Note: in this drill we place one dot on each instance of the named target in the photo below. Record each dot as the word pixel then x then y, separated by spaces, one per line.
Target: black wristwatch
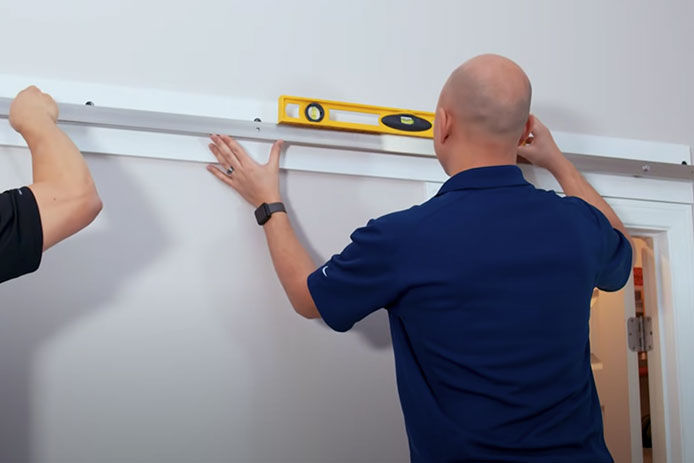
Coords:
pixel 265 210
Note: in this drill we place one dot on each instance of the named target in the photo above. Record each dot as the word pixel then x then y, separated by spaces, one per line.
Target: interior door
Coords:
pixel 617 378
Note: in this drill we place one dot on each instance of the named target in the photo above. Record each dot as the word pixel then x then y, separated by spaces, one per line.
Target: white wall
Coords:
pixel 161 334
pixel 615 67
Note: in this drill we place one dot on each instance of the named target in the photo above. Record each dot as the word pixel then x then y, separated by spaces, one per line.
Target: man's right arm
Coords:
pixel 63 187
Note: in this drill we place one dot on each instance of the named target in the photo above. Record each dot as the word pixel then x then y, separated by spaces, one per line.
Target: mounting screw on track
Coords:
pixel 257 119
pixel 684 163
pixel 645 167
pixel 89 103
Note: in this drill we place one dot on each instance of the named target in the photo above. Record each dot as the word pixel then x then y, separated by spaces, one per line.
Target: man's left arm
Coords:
pixel 292 264
pixel 258 184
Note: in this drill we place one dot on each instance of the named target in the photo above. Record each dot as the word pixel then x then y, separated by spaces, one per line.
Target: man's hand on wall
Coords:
pixel 256 183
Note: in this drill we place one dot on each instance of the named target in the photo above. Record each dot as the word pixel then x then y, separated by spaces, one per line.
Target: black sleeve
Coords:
pixel 21 235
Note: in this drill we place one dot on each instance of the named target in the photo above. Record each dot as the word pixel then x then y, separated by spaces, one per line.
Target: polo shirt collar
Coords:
pixel 484 177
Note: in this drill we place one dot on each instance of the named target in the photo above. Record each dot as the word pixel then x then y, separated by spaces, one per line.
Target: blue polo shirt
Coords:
pixel 488 289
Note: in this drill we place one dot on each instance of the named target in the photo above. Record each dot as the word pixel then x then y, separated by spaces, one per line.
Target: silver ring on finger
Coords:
pixel 229 171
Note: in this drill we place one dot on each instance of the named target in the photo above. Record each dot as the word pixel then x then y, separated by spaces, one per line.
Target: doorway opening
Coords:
pixel 626 363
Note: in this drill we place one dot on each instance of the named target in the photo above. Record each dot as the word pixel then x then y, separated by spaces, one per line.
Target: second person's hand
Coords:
pixel 32 111
pixel 256 183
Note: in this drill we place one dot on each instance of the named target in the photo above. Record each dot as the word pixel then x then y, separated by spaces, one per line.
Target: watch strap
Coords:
pixel 275 207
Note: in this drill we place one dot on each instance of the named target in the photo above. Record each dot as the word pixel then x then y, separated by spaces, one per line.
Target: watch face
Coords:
pixel 262 214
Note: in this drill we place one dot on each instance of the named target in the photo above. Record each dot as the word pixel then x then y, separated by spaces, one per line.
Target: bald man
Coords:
pixel 487 285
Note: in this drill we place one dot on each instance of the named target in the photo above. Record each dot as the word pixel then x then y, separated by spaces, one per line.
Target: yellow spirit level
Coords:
pixel 355 117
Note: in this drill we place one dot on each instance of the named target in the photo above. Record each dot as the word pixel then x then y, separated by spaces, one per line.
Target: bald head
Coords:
pixel 489 95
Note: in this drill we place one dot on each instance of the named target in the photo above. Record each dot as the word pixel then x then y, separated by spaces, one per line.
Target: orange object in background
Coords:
pixel 638 276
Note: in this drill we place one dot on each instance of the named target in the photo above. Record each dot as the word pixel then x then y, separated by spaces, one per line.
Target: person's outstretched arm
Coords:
pixel 259 184
pixel 62 185
pixel 543 151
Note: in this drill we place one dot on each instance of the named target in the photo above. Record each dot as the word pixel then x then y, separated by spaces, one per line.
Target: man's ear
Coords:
pixel 529 124
pixel 443 125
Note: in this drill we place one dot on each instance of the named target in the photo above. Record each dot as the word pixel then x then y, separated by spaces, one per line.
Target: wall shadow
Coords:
pixel 374 329
pixel 76 278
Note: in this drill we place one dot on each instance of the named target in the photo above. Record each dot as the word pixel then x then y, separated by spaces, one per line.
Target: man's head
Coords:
pixel 482 115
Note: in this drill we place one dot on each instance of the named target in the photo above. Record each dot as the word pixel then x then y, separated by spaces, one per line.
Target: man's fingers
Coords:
pixel 220 158
pixel 275 154
pixel 537 126
pixel 526 151
pixel 231 158
pixel 220 175
pixel 224 160
pixel 522 160
pixel 237 149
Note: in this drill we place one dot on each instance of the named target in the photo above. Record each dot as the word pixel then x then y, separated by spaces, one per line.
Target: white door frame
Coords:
pixel 670 226
pixel 655 357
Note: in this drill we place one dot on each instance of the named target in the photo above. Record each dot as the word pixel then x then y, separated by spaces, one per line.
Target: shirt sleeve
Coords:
pixel 21 235
pixel 615 253
pixel 361 279
pixel 616 257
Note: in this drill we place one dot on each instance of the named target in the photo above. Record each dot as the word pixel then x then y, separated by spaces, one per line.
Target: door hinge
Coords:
pixel 640 334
